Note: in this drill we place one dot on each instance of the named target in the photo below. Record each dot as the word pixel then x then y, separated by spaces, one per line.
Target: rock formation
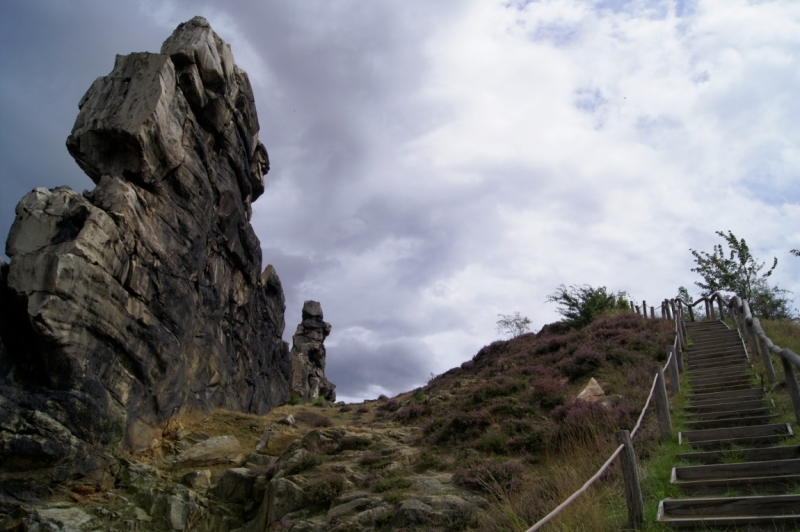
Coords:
pixel 308 356
pixel 142 299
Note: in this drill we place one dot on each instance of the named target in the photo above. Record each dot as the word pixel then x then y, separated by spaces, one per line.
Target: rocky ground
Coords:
pixel 232 471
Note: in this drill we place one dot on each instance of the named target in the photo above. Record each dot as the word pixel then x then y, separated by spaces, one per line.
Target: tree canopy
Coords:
pixel 513 325
pixel 736 270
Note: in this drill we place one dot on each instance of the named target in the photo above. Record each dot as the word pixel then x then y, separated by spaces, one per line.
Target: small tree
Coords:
pixel 737 271
pixel 581 304
pixel 683 294
pixel 513 325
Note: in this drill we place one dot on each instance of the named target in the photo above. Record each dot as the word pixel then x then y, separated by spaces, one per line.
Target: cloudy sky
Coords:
pixel 435 164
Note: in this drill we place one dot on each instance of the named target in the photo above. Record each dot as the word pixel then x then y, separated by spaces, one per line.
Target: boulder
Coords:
pixel 63 519
pixel 275 442
pixel 308 356
pixel 198 480
pixel 592 393
pixel 143 300
pixel 236 485
pixel 217 450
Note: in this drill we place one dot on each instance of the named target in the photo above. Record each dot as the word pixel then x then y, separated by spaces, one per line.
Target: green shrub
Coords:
pixel 323 490
pixel 427 460
pixel 309 461
pixel 419 396
pixel 386 484
pixel 313 419
pixel 582 304
pixel 349 443
pixel 375 460
pixel 295 400
pixel 493 441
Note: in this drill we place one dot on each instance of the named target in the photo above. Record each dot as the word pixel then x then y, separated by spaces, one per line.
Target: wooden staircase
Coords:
pixel 744 480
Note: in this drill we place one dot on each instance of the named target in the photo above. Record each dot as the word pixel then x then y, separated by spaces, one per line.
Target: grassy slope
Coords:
pixel 507 426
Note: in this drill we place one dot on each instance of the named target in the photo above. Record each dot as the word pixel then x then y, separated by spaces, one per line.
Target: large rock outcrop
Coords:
pixel 308 356
pixel 142 300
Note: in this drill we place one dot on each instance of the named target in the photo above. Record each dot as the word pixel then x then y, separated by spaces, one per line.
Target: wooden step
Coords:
pixel 698 335
pixel 740 486
pixel 732 422
pixel 716 323
pixel 778 507
pixel 727 360
pixel 720 397
pixel 737 369
pixel 700 387
pixel 721 408
pixel 732 411
pixel 715 343
pixel 721 388
pixel 770 468
pixel 758 435
pixel 709 356
pixel 724 379
pixel 749 455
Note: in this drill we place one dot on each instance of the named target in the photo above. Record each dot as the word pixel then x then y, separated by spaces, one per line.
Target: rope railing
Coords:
pixel 578 493
pixel 633 494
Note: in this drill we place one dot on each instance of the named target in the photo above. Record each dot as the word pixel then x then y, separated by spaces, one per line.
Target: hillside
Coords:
pixel 491 445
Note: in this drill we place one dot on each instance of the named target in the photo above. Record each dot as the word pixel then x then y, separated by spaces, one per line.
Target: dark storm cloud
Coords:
pixel 50 53
pixel 395 366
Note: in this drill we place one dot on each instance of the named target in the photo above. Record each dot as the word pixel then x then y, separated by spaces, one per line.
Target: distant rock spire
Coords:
pixel 308 356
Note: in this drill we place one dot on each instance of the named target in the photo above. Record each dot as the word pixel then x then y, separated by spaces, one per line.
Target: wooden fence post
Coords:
pixel 691 313
pixel 631 302
pixel 662 405
pixel 633 490
pixel 705 302
pixel 791 383
pixel 644 309
pixel 762 348
pixel 679 353
pixel 719 304
pixel 652 313
pixel 638 310
pixel 674 377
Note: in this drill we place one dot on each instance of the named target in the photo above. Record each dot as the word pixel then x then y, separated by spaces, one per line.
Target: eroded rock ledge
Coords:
pixel 143 299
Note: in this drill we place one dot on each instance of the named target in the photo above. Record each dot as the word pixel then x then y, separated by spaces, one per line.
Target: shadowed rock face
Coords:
pixel 144 298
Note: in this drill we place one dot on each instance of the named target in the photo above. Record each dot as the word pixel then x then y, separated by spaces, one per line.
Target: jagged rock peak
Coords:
pixel 142 300
pixel 308 356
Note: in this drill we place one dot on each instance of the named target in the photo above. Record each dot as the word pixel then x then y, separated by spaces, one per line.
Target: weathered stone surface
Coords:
pixel 593 392
pixel 236 485
pixel 198 480
pixel 217 450
pixel 69 519
pixel 142 300
pixel 308 356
